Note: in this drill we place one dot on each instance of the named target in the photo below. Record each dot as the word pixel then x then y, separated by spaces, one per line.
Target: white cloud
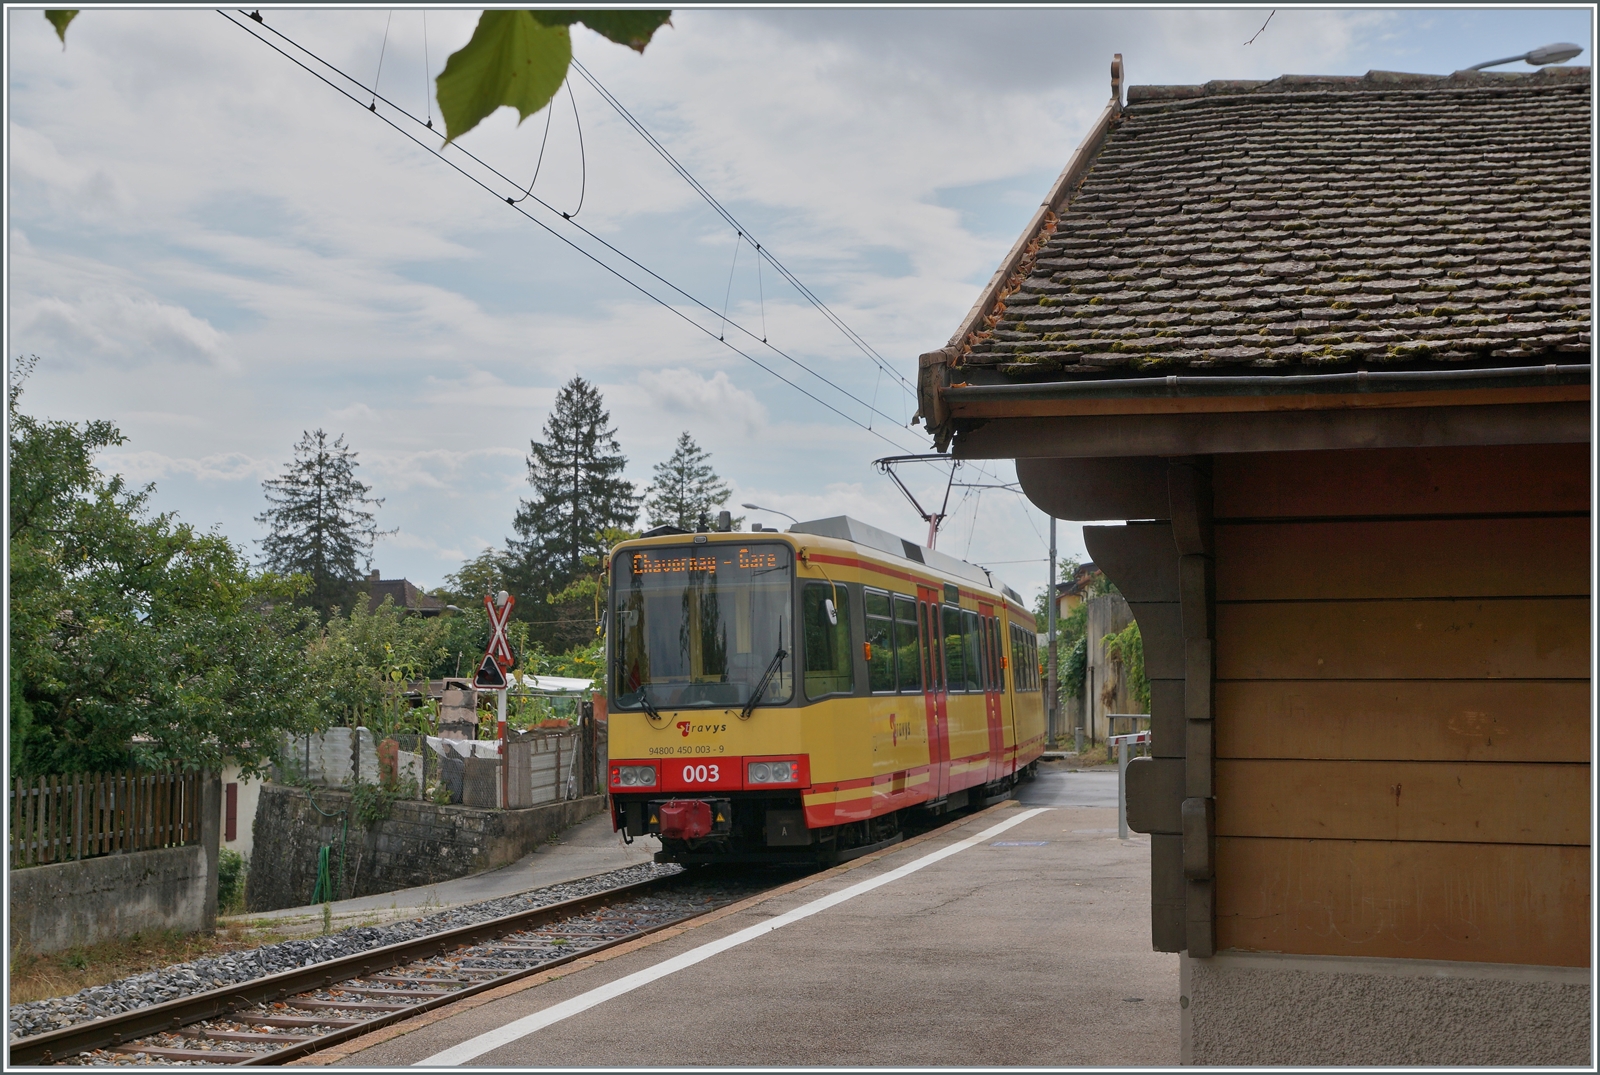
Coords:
pixel 217 251
pixel 714 399
pixel 118 327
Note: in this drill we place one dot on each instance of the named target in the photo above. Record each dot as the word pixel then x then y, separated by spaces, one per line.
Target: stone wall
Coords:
pixel 418 844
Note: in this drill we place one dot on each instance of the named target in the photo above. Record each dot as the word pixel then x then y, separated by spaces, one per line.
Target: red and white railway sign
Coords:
pixel 499 645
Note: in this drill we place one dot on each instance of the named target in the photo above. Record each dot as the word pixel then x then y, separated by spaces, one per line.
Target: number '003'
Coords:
pixel 700 774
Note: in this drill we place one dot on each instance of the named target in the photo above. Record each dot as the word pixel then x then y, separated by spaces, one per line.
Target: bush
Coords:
pixel 231 870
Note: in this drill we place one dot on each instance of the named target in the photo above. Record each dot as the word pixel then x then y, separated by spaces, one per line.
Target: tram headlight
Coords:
pixel 633 776
pixel 774 772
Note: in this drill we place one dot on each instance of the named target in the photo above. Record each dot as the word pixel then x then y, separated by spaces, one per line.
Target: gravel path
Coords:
pixel 215 972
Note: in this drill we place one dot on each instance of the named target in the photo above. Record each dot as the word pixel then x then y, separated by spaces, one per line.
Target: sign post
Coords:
pixel 497 661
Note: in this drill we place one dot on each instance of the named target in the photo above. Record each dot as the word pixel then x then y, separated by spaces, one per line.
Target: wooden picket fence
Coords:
pixel 82 815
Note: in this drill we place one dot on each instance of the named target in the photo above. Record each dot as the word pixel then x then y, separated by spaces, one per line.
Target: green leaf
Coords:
pixel 511 60
pixel 631 28
pixel 59 20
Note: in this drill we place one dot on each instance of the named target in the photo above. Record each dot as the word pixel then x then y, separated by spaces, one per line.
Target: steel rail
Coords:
pixel 113 1030
pixel 323 1041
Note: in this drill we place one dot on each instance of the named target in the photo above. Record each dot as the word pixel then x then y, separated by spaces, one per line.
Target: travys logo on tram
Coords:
pixel 797 696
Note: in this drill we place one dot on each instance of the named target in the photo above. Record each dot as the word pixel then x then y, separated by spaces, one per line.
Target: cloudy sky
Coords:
pixel 217 250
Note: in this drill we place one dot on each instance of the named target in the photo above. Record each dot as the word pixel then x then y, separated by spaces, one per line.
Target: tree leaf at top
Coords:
pixel 631 28
pixel 59 20
pixel 511 60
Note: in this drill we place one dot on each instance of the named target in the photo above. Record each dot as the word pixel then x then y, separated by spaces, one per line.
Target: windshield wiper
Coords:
pixel 644 701
pixel 761 688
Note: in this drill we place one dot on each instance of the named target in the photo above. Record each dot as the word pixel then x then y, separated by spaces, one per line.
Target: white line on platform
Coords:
pixel 529 1024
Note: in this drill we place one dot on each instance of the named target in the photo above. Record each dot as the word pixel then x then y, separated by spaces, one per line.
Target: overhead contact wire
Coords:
pixel 551 231
pixel 717 206
pixel 597 238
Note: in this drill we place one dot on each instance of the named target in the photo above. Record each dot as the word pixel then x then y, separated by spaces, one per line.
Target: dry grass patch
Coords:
pixel 58 974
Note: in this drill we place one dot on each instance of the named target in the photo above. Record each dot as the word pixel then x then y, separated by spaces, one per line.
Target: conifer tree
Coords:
pixel 579 491
pixel 685 487
pixel 318 520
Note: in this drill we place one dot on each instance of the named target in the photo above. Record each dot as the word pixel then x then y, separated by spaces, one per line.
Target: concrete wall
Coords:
pixel 418 844
pixel 67 904
pixel 1259 1008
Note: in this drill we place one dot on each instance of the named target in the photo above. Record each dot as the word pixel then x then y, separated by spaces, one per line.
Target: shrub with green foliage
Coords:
pixel 231 870
pixel 135 639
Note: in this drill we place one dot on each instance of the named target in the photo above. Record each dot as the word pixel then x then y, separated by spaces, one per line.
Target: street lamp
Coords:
pixel 1558 53
pixel 775 511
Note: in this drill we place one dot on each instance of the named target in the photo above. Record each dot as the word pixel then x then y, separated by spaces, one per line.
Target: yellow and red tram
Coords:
pixel 784 696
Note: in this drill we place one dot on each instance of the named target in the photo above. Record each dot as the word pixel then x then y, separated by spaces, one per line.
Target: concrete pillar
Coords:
pixel 211 838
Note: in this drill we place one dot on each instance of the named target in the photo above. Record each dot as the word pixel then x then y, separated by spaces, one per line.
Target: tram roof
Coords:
pixel 844 528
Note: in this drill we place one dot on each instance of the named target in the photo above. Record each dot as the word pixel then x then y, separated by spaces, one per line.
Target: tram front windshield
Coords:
pixel 702 626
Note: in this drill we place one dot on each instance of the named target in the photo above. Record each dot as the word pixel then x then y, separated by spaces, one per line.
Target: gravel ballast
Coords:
pixel 215 972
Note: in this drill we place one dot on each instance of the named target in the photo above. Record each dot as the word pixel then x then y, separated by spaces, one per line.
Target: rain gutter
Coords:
pixel 1189 385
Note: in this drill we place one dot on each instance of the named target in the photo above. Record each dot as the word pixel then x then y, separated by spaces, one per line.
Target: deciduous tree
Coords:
pixel 135 640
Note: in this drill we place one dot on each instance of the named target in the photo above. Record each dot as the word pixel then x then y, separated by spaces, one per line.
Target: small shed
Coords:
pixel 1324 343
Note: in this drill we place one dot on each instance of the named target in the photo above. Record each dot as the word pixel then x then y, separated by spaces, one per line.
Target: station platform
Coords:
pixel 1018 936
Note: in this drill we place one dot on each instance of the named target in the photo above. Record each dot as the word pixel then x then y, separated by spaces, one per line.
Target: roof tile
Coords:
pixel 1315 221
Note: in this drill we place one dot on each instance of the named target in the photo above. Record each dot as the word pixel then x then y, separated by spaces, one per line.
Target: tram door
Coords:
pixel 993 686
pixel 933 689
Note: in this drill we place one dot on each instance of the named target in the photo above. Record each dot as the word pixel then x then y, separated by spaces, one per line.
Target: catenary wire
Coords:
pixel 597 238
pixel 381 51
pixel 609 268
pixel 711 200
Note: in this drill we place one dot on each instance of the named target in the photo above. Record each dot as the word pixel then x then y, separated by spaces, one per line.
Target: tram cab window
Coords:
pixel 830 659
pixel 908 662
pixel 954 650
pixel 969 647
pixel 880 637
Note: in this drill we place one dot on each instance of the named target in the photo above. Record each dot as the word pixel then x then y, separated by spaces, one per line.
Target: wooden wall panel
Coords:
pixel 1523 557
pixel 1505 639
pixel 1416 720
pixel 1492 903
pixel 1457 802
pixel 1491 480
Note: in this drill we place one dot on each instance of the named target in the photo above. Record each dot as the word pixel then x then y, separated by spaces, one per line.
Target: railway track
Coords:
pixel 276 1018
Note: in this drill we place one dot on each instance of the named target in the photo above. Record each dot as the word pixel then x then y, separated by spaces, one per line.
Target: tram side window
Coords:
pixel 880 637
pixel 969 647
pixel 996 671
pixel 1024 660
pixel 830 660
pixel 908 662
pixel 954 650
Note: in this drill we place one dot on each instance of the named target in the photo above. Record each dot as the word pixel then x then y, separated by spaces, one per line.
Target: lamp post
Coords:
pixel 774 511
pixel 1050 669
pixel 1539 57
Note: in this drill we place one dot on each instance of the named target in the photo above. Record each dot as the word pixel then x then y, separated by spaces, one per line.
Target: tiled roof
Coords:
pixel 1309 224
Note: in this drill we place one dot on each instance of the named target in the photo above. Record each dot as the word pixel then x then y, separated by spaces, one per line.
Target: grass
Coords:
pixel 33 976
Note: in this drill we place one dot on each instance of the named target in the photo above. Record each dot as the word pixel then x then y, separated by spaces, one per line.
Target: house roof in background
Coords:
pixel 1311 224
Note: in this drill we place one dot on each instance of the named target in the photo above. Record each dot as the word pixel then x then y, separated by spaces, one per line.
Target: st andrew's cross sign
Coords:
pixel 498 658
